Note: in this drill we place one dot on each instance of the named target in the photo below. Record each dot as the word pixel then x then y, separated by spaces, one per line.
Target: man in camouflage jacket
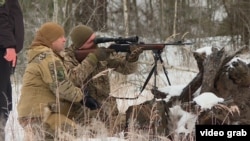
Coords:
pixel 47 94
pixel 82 73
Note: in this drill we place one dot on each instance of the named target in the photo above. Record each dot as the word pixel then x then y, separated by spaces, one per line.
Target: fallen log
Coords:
pixel 210 68
pixel 229 82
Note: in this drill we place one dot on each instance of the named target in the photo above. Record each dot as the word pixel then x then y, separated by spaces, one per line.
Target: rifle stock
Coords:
pixel 81 54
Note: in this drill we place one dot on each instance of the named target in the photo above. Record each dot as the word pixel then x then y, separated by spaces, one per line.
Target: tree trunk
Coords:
pixel 210 68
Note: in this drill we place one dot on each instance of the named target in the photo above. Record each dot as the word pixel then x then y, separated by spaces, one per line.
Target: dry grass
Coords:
pixel 98 130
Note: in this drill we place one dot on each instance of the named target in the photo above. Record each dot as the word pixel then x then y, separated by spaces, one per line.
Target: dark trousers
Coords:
pixel 5 87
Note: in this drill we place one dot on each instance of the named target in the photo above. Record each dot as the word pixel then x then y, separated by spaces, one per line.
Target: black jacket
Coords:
pixel 11 25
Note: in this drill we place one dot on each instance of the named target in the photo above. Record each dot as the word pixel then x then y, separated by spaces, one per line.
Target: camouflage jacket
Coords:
pixel 82 73
pixel 46 85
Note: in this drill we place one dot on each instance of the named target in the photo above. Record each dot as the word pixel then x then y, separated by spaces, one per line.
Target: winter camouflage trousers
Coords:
pixel 56 126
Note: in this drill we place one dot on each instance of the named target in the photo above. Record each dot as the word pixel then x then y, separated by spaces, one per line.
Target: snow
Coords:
pixel 174 90
pixel 186 122
pixel 207 100
pixel 206 50
pixel 235 59
pixel 13 129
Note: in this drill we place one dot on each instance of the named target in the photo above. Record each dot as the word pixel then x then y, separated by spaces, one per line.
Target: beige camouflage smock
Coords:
pixel 46 85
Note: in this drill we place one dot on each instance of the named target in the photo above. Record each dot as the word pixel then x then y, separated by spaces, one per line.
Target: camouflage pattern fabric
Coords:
pixel 46 88
pixel 81 73
pixel 53 128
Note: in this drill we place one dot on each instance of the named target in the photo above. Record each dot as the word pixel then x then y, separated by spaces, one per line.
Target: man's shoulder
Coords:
pixel 43 54
pixel 69 53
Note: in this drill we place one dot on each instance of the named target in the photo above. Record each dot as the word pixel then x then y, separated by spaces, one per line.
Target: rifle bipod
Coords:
pixel 157 57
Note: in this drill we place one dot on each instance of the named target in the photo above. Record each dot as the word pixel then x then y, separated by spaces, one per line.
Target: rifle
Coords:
pixel 123 45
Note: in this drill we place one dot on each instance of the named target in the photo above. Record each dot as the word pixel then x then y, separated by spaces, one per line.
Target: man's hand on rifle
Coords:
pixel 134 54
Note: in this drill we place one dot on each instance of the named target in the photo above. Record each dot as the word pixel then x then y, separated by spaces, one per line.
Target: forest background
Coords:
pixel 217 23
pixel 154 21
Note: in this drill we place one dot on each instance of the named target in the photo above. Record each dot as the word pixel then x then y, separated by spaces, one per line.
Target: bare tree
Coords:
pixel 92 13
pixel 125 13
pixel 238 20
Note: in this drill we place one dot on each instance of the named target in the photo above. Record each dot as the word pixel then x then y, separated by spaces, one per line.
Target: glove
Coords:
pixel 102 53
pixel 134 54
pixel 90 102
